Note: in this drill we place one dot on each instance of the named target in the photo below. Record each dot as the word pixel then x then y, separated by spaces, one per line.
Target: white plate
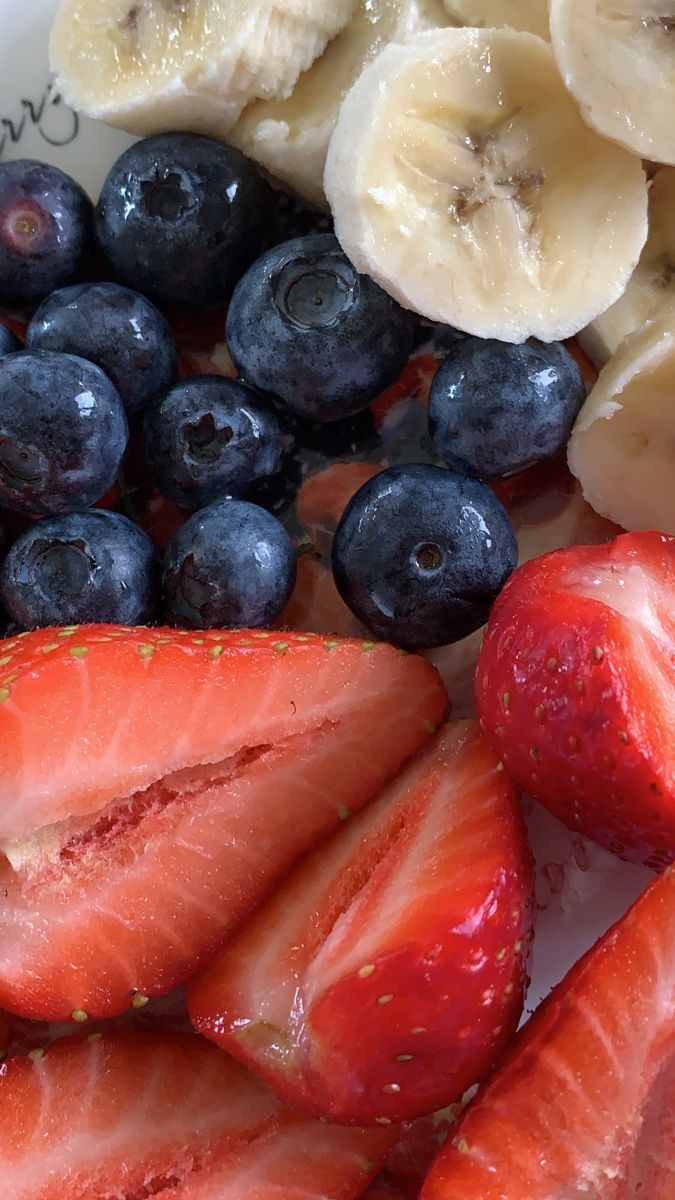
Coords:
pixel 34 123
pixel 580 890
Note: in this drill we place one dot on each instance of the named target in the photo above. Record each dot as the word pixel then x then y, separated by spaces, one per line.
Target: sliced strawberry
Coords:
pixel 548 511
pixel 142 500
pixel 161 1014
pixel 323 498
pixel 159 517
pixel 5 1032
pixel 412 386
pixel 387 973
pixel 589 370
pixel 584 1105
pixel 197 329
pixel 18 325
pixel 386 1189
pixel 576 690
pixel 316 605
pixel 133 1116
pixel 154 785
pixel 542 490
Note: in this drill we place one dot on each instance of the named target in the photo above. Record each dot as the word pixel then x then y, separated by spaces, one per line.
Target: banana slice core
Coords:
pixel 463 179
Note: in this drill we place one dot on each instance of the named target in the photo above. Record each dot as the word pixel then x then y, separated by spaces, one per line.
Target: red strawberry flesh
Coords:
pixel 385 976
pixel 576 690
pixel 584 1105
pixel 157 785
pixel 135 1116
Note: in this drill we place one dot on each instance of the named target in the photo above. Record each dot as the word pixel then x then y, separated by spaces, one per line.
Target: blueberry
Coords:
pixel 63 432
pixel 421 554
pixel 46 231
pixel 181 217
pixel 8 342
pixel 305 327
pixel 116 328
pixel 495 408
pixel 232 564
pixel 84 567
pixel 210 438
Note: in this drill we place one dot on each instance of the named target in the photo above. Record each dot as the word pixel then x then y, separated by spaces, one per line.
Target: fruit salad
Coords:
pixel 337 568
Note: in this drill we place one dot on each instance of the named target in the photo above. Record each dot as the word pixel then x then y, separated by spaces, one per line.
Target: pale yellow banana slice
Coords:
pixel 154 65
pixel 651 291
pixel 527 16
pixel 462 178
pixel 290 137
pixel 618 59
pixel 622 449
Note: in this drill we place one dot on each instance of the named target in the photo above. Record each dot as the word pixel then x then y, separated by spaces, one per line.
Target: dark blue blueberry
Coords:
pixel 232 564
pixel 305 327
pixel 496 409
pixel 421 554
pixel 181 217
pixel 209 438
pixel 45 231
pixel 81 568
pixel 8 342
pixel 116 328
pixel 63 432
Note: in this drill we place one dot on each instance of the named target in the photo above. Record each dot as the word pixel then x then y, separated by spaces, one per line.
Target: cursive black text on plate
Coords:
pixel 57 124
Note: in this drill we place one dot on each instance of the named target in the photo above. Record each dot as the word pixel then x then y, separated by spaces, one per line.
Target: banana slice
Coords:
pixel 617 57
pixel 462 178
pixel 527 16
pixel 622 448
pixel 651 291
pixel 149 66
pixel 290 137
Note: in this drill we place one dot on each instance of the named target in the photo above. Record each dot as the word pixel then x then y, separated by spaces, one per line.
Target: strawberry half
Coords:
pixel 155 785
pixel 133 1116
pixel 384 977
pixel 576 690
pixel 323 498
pixel 5 1033
pixel 584 1105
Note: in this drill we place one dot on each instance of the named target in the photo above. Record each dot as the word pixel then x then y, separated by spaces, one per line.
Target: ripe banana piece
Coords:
pixel 527 16
pixel 463 179
pixel 622 446
pixel 618 60
pixel 651 291
pixel 149 66
pixel 290 137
